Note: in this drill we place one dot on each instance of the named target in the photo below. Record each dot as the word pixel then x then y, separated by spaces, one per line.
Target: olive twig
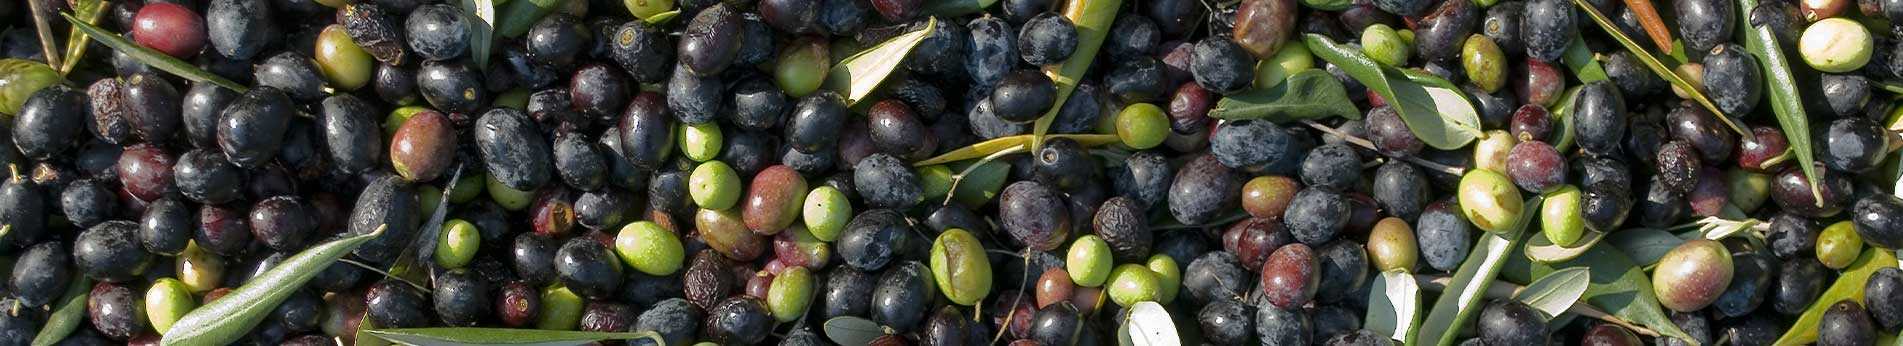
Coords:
pixel 45 31
pixel 1358 141
pixel 1019 300
pixel 1506 290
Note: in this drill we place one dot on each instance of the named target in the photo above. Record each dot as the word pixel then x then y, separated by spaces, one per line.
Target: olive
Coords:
pixel 458 244
pixel 1692 275
pixel 165 301
pixel 874 239
pixel 45 124
pixel 900 299
pixel 1539 83
pixel 1058 324
pixel 959 267
pixel 1845 323
pixel 436 32
pixel 561 309
pixel 1444 234
pixel 1048 38
pixel 395 304
pixel 1704 24
pixel 1750 282
pixel 1222 66
pixel 1800 282
pixel 1729 68
pixel 1507 322
pixel 791 294
pixel 1599 117
pixel 1276 325
pixel 725 232
pixel 170 28
pixel 1838 245
pixel 1291 276
pixel 1442 31
pixel 1132 283
pixel 711 40
pixel 1484 62
pixel 1853 145
pixel 1535 166
pixel 896 130
pixel 513 149
pixel 1546 38
pixel 461 298
pixel 40 274
pixel 199 270
pixel 1833 45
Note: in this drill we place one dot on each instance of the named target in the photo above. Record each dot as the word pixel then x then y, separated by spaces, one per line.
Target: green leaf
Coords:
pixel 1645 246
pixel 1657 67
pixel 425 244
pixel 1458 303
pixel 1581 60
pixel 68 316
pixel 1848 286
pixel 1433 109
pixel 1328 5
pixel 1018 142
pixel 1147 324
pixel 662 18
pixel 228 319
pixel 955 8
pixel 858 75
pixel 151 57
pixel 505 336
pixel 1092 19
pixel 1618 287
pixel 1309 94
pixel 979 185
pixel 90 11
pixel 516 19
pixel 1540 249
pixel 1563 111
pixel 482 20
pixel 1557 291
pixel 1394 306
pixel 1780 86
pixel 848 330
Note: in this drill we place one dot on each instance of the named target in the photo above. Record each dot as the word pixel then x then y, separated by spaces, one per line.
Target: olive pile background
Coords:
pixel 620 167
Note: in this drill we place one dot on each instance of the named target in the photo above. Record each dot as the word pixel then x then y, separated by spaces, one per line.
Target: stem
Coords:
pixel 385 273
pixel 974 166
pixel 1506 290
pixel 45 31
pixel 1019 300
pixel 1358 141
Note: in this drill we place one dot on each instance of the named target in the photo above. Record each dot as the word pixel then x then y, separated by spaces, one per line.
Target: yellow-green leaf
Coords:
pixel 1309 94
pixel 1618 286
pixel 68 315
pixel 858 75
pixel 1434 109
pixel 1556 292
pixel 151 57
pixel 228 319
pixel 1092 19
pixel 995 145
pixel 91 11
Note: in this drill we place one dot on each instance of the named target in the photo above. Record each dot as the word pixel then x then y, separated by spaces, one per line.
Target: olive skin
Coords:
pixel 1876 221
pixel 513 149
pixel 1800 281
pixel 1203 190
pixel 252 127
pixel 202 107
pixel 395 304
pixel 1845 323
pixel 1750 282
pixel 151 106
pixel 390 204
pixel 293 73
pixel 373 26
pixel 205 177
pixel 1282 326
pixel 739 320
pixel 451 87
pixel 1291 276
pixel 1058 324
pixel 711 40
pixel 236 30
pixel 107 252
pixel 1883 292
pixel 1729 68
pixel 166 226
pixel 874 239
pixel 1546 39
pixel 647 131
pixel 437 32
pixel 1704 24
pixel 1442 31
pixel 1034 215
pixel 884 181
pixel 815 122
pixel 46 124
pixel 1512 323
pixel 900 299
pixel 352 139
pixel 1599 115
pixel 41 274
pixel 643 51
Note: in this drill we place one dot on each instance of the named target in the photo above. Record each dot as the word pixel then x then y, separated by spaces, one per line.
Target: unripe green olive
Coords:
pixel 1748 189
pixel 647 8
pixel 1839 244
pixel 458 244
pixel 1383 45
pixel 1143 126
pixel 1089 261
pixel 1286 62
pixel 345 64
pixel 561 309
pixel 1133 283
pixel 960 267
pixel 167 301
pixel 1491 152
pixel 1489 200
pixel 714 185
pixel 200 270
pixel 509 198
pixel 790 294
pixel 1836 45
pixel 803 65
pixel 700 142
pixel 1486 65
pixel 1391 246
pixel 19 79
pixel 649 248
pixel 1560 217
pixel 1169 276
pixel 468 188
pixel 826 212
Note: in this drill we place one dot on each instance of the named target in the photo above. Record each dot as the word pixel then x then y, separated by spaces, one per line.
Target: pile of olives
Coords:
pixel 707 171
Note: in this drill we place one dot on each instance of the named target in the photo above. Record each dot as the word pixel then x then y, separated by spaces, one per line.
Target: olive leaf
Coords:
pixel 1781 87
pixel 519 15
pixel 1848 286
pixel 504 336
pixel 228 319
pixel 1716 228
pixel 954 8
pixel 1618 286
pixel 1541 249
pixel 426 238
pixel 858 75
pixel 45 31
pixel 978 183
pixel 151 57
pixel 662 18
pixel 90 11
pixel 1652 62
pixel 1394 306
pixel 1461 299
pixel 482 19
pixel 1309 94
pixel 1563 111
pixel 67 316
pixel 1556 292
pixel 1645 245
pixel 1433 108
pixel 1585 66
pixel 1092 19
pixel 849 330
pixel 1018 142
pixel 1147 324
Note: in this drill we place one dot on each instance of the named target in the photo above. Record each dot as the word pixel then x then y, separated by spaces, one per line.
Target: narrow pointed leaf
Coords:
pixel 1781 88
pixel 502 336
pixel 1463 298
pixel 1309 94
pixel 662 18
pixel 1433 108
pixel 68 316
pixel 1581 60
pixel 1652 62
pixel 90 11
pixel 995 145
pixel 1147 324
pixel 1540 249
pixel 954 8
pixel 1645 246
pixel 1092 19
pixel 482 21
pixel 1618 286
pixel 1848 286
pixel 1394 306
pixel 1556 292
pixel 151 57
pixel 425 244
pixel 858 75
pixel 228 319
pixel 848 330
pixel 516 18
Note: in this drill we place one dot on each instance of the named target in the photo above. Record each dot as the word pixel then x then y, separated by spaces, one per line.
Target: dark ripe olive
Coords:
pixel 643 51
pixel 606 209
pixel 555 40
pixel 1227 322
pixel 1256 146
pixel 738 320
pixel 1136 80
pixel 533 257
pixel 1537 82
pixel 580 162
pixel 884 181
pixel 1883 292
pixel 958 216
pixel 1064 164
pixel 282 222
pixel 1344 267
pixel 1216 276
pixel 1145 176
pixel 239 29
pixel 41 273
pixel 1222 66
pixel 902 296
pixel 874 239
pixel 1443 234
pixel 647 131
pixel 394 84
pixel 114 310
pixel 49 121
pixel 588 268
pixel 1339 325
pixel 1704 24
pixel 1755 330
pixel 396 304
pixel 517 304
pixel 1845 94
pixel 375 27
pixel 462 299
pixel 1702 130
pixel 674 319
pixel 1440 33
pixel 451 87
pixel 88 202
pixel 1332 167
pixel 600 90
pixel 757 105
pixel 1507 322
pixel 895 128
pixel 1853 145
pixel 1290 276
pixel 855 144
pixel 791 16
pixel 942 53
pixel 108 252
pixel 1875 219
pixel 224 230
pixel 1632 76
pixel 437 32
pixel 1846 324
pixel 1401 189
pixel 1282 326
pixel 293 73
pixel 1607 334
pixel 1599 117
pixel 1751 279
pixel 848 292
pixel 1730 69
pixel 1058 324
pixel 252 128
pixel 1546 38
pixel 352 140
pixel 205 177
pixel 1174 16
pixel 709 279
pixel 1046 39
pixel 1317 216
pixel 1792 236
pixel 600 316
pixel 1502 24
pixel 805 163
pixel 1792 192
pixel 151 106
pixel 1390 134
pixel 300 312
pixel 513 149
pixel 985 123
pixel 166 226
pixel 1123 225
pixel 1799 282
pixel 1034 215
pixel 1023 96
pixel 202 107
pixel 1203 190
pixel 815 122
pixel 389 203
pixel 993 51
pixel 169 28
pixel 711 40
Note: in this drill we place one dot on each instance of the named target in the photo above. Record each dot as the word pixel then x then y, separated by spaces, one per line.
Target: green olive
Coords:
pixel 430 197
pixel 1839 244
pixel 19 79
pixel 167 301
pixel 1489 200
pixel 1748 189
pixel 1169 276
pixel 510 198
pixel 960 267
pixel 802 66
pixel 1836 45
pixel 458 244
pixel 649 248
pixel 1692 275
pixel 1089 261
pixel 936 180
pixel 1391 246
pixel 1133 283
pixel 714 185
pixel 1491 152
pixel 200 270
pixel 1383 45
pixel 790 294
pixel 1560 217
pixel 1143 126
pixel 517 98
pixel 345 64
pixel 397 117
pixel 1486 65
pixel 700 142
pixel 826 212
pixel 468 188
pixel 1288 60
pixel 561 309
pixel 647 8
